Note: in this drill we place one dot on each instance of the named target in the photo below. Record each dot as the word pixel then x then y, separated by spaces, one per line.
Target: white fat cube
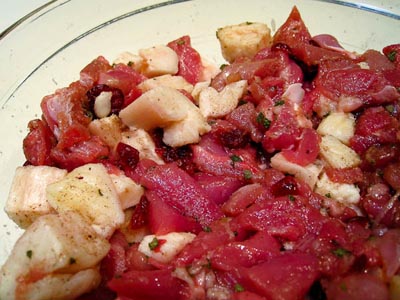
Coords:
pixel 344 193
pixel 337 154
pixel 176 82
pixel 127 58
pixel 187 131
pixel 107 129
pixel 309 174
pixel 169 245
pixel 157 107
pixel 215 104
pixel 55 243
pixel 244 39
pixel 159 60
pixel 129 192
pixel 89 191
pixel 27 197
pixel 338 124
pixel 141 141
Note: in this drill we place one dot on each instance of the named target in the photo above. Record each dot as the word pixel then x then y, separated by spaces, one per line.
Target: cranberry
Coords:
pixel 392 175
pixel 140 213
pixel 128 156
pixel 286 186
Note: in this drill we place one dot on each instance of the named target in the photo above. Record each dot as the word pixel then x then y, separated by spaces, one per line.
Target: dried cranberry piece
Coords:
pixel 379 156
pixel 128 156
pixel 139 215
pixel 182 156
pixel 285 186
pixel 117 98
pixel 392 175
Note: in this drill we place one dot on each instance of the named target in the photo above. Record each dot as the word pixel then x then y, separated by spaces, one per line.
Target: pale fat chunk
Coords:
pixel 338 124
pixel 244 39
pixel 176 82
pixel 308 174
pixel 337 154
pixel 63 286
pixel 158 107
pixel 27 197
pixel 89 191
pixel 175 242
pixel 141 141
pixel 108 129
pixel 54 243
pixel 159 60
pixel 187 131
pixel 344 193
pixel 133 60
pixel 167 108
pixel 215 104
pixel 129 192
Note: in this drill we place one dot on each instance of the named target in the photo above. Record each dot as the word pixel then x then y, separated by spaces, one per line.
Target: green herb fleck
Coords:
pixel 390 108
pixel 130 63
pixel 261 119
pixel 181 42
pixel 343 287
pixel 249 23
pixel 291 198
pixel 239 288
pixel 72 260
pixel 235 158
pixel 247 174
pixel 392 55
pixel 207 229
pixel 153 244
pixel 341 252
pixel 29 254
pixel 223 66
pixel 328 195
pixel 279 102
pixel 242 102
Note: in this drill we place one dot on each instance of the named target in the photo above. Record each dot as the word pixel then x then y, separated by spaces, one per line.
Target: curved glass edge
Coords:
pixel 365 7
pixel 356 5
pixel 29 15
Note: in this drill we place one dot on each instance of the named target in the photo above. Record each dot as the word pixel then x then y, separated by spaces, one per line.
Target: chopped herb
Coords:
pixel 221 67
pixel 235 158
pixel 153 244
pixel 72 260
pixel 207 229
pixel 392 55
pixel 390 108
pixel 279 102
pixel 181 42
pixel 341 252
pixel 261 119
pixel 328 195
pixel 247 174
pixel 242 102
pixel 29 254
pixel 292 198
pixel 208 264
pixel 239 288
pixel 249 23
pixel 343 287
pixel 130 63
pixel 100 192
